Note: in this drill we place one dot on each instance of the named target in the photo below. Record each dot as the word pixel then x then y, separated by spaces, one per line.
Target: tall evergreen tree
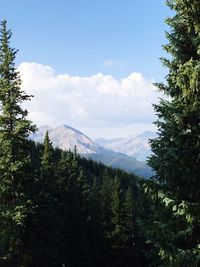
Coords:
pixel 106 199
pixel 128 219
pixel 96 233
pixel 73 211
pixel 47 158
pixel 117 213
pixel 43 225
pixel 174 228
pixel 14 152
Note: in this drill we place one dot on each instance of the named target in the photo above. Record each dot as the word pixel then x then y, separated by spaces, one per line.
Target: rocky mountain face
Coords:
pixel 66 138
pixel 134 146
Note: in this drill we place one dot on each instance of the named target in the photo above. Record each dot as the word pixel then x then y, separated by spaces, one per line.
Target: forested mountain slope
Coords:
pixel 67 138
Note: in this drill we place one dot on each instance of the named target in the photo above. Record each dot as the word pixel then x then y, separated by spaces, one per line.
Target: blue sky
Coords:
pixel 84 37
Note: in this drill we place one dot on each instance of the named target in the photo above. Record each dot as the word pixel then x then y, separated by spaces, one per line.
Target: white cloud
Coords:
pixel 40 117
pixel 87 102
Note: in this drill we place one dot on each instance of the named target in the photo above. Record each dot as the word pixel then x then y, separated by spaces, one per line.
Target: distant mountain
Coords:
pixel 122 161
pixel 66 138
pixel 134 146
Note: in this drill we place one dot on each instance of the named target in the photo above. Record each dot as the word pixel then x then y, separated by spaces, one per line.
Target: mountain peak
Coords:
pixel 134 146
pixel 66 138
pixel 72 130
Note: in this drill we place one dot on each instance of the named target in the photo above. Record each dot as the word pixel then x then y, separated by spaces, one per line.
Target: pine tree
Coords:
pixel 128 219
pixel 96 233
pixel 174 228
pixel 112 219
pixel 106 198
pixel 43 228
pixel 14 152
pixel 47 159
pixel 116 211
pixel 73 211
pixel 78 214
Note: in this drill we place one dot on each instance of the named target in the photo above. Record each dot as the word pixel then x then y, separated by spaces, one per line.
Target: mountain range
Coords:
pixel 134 146
pixel 66 137
pixel 117 153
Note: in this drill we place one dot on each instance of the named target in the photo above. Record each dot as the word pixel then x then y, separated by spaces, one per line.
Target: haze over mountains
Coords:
pixel 125 153
pixel 134 146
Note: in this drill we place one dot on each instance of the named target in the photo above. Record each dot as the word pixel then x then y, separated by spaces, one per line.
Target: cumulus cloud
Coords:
pixel 94 101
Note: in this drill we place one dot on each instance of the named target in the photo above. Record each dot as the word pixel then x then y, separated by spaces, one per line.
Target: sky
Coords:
pixel 90 64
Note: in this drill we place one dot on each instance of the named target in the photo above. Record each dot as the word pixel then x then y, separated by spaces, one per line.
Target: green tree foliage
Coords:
pixel 174 227
pixel 75 209
pixel 14 154
pixel 98 243
pixel 47 157
pixel 128 218
pixel 43 221
pixel 119 235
